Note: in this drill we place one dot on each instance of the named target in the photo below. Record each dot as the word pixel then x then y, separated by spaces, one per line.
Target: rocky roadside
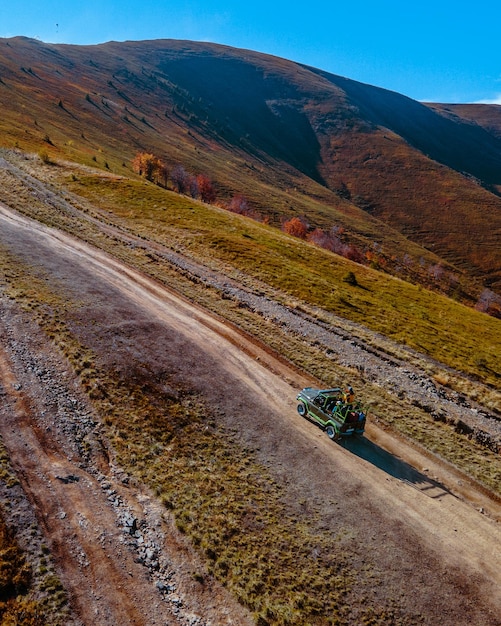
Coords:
pixel 32 374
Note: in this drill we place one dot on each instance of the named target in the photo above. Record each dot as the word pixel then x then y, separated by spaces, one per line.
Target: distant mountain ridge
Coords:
pixel 453 141
pixel 295 140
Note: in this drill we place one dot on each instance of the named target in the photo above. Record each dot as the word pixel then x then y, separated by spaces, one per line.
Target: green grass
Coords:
pixel 159 438
pixel 455 335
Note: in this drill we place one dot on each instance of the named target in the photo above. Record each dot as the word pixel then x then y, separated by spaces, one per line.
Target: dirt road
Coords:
pixel 412 516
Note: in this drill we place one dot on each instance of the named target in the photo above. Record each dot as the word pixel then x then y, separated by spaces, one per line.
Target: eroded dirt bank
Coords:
pixel 403 514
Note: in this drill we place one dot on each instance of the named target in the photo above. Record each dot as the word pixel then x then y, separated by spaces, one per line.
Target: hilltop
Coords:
pixel 412 188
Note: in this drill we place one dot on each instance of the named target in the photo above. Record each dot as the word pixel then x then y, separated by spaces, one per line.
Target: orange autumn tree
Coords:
pixel 295 227
pixel 149 166
pixel 206 189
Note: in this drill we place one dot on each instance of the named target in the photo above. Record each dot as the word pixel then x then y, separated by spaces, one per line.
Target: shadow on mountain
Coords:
pixel 259 113
pixel 461 145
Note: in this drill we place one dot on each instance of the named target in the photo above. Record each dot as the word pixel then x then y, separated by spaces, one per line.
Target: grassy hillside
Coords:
pixel 291 139
pixel 438 326
pixel 372 167
pixel 409 321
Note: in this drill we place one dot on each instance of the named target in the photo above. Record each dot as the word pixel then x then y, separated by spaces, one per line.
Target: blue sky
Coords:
pixel 440 51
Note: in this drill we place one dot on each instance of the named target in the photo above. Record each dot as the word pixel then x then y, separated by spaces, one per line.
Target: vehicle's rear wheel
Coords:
pixel 301 409
pixel 331 432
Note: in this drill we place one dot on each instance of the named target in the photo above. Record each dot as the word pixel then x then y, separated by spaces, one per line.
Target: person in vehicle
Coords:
pixel 349 395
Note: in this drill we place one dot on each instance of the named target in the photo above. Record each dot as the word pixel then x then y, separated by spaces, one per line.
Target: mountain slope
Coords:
pixel 487 116
pixel 454 142
pixel 292 139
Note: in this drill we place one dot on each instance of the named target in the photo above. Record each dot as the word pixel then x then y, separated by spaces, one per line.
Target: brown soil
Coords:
pixel 431 536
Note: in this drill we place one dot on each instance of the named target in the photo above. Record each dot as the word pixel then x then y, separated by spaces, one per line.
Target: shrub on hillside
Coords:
pixel 295 227
pixel 150 166
pixel 180 179
pixel 206 189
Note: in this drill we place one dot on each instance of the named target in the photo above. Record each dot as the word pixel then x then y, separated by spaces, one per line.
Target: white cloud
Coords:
pixel 496 100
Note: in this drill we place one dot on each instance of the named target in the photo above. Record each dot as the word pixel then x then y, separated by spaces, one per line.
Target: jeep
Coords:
pixel 330 409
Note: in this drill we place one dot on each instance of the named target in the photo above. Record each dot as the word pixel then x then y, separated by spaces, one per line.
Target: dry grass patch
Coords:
pixel 221 497
pixel 31 593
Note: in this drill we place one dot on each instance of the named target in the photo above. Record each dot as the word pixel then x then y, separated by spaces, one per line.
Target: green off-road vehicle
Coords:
pixel 332 410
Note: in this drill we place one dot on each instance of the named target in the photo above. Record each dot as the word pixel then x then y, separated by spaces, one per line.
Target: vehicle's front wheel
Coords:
pixel 331 432
pixel 301 409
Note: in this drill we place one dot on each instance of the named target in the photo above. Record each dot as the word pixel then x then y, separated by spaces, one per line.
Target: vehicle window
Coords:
pixel 330 404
